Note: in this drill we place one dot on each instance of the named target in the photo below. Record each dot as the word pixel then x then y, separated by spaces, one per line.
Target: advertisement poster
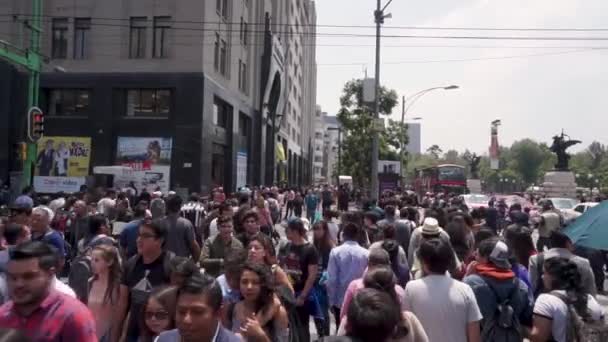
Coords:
pixel 62 164
pixel 241 169
pixel 389 166
pixel 150 159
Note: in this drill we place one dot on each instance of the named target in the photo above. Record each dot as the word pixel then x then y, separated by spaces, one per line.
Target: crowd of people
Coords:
pixel 117 266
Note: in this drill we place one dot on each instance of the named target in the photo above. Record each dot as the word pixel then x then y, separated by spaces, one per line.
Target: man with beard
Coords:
pixel 36 309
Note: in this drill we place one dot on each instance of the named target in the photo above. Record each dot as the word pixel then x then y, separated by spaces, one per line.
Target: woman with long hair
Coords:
pixel 257 317
pixel 261 251
pixel 409 328
pixel 158 314
pixel 324 244
pixel 104 288
pixel 562 279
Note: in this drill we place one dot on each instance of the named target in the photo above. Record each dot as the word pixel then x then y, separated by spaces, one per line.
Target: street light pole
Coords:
pixel 412 100
pixel 379 18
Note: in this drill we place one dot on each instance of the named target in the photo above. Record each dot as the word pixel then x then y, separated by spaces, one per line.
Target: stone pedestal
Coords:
pixel 474 186
pixel 560 184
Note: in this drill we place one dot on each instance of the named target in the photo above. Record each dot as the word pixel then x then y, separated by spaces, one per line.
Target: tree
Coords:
pixel 597 153
pixel 527 160
pixel 435 151
pixel 357 119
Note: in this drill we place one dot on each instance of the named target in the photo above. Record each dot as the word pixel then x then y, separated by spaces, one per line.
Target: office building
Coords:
pixel 220 80
pixel 414 144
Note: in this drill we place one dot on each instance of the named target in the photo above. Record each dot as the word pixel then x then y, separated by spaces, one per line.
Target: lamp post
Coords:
pixel 339 129
pixel 412 100
pixel 379 17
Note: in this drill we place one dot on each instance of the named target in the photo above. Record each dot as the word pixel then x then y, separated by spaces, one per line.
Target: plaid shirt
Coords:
pixel 59 318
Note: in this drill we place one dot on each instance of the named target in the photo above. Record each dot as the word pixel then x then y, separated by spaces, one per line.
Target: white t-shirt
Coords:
pixel 333 229
pixel 63 288
pixel 553 308
pixel 443 305
pixel 213 231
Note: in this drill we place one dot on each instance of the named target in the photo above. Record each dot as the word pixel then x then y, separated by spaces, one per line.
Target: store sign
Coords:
pixel 62 164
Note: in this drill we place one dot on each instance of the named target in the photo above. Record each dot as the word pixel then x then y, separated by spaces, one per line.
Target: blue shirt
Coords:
pixel 128 237
pixel 229 295
pixel 312 201
pixel 346 263
pixel 54 239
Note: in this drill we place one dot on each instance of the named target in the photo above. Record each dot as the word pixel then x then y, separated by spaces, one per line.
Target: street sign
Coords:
pixel 35 124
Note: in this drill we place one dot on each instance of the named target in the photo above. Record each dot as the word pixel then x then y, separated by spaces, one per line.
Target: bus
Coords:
pixel 446 178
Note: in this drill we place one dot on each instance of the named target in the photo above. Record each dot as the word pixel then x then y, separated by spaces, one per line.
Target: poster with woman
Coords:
pixel 150 159
pixel 62 164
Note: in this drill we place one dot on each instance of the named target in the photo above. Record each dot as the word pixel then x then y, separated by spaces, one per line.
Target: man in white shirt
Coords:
pixel 447 308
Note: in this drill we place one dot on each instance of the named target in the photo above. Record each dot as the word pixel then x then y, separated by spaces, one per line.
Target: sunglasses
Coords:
pixel 159 315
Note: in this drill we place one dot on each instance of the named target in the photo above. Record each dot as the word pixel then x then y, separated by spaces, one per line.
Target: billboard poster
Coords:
pixel 389 166
pixel 241 169
pixel 62 164
pixel 150 159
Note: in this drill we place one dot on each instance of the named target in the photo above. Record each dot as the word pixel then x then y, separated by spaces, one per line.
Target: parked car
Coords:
pixel 475 201
pixel 583 207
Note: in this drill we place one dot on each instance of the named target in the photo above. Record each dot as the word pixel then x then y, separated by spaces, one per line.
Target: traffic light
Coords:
pixel 35 124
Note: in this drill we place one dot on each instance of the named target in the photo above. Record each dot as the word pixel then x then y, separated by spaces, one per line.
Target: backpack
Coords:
pixel 78 278
pixel 579 329
pixel 503 325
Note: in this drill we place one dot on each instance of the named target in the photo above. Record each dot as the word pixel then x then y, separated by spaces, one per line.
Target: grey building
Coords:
pixel 331 149
pixel 414 144
pixel 214 76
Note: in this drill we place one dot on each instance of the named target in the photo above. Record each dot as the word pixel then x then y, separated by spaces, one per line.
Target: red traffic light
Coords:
pixel 35 124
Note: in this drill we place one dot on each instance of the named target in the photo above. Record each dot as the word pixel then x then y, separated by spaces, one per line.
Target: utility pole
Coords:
pixel 31 60
pixel 379 18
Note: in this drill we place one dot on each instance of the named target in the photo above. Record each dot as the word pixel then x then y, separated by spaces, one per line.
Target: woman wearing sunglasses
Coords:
pixel 158 313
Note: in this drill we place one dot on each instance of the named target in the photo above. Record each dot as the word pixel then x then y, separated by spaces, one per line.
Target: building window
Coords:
pixel 160 48
pixel 82 27
pixel 60 38
pixel 318 159
pixel 244 125
pixel 216 52
pixel 222 8
pixel 223 58
pixel 243 85
pixel 221 113
pixel 68 102
pixel 243 32
pixel 148 102
pixel 137 38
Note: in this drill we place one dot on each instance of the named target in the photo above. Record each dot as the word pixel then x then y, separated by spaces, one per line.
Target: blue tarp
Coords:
pixel 591 228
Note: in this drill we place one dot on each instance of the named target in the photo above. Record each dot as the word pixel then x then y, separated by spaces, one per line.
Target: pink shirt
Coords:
pixel 357 285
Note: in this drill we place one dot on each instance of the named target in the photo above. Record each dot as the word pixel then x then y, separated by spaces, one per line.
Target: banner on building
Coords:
pixel 150 159
pixel 241 169
pixel 62 164
pixel 389 166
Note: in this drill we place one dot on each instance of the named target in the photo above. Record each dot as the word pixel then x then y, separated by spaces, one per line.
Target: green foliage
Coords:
pixel 356 118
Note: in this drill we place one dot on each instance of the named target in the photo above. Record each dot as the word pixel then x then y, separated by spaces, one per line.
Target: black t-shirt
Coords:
pixel 295 260
pixel 326 196
pixel 141 278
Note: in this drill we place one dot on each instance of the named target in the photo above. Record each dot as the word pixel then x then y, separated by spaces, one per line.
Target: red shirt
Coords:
pixel 59 318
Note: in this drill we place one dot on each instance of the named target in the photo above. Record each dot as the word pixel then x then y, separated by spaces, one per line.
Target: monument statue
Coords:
pixel 474 166
pixel 560 144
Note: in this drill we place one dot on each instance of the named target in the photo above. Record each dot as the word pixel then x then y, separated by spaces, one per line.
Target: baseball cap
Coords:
pixel 23 202
pixel 500 255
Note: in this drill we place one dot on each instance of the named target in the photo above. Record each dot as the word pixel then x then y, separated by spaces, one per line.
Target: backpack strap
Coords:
pixel 511 294
pixel 540 262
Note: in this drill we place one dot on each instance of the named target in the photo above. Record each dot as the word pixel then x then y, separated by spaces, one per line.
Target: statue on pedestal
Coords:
pixel 474 166
pixel 560 144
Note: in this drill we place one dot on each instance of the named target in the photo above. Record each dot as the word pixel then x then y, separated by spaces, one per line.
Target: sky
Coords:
pixel 536 87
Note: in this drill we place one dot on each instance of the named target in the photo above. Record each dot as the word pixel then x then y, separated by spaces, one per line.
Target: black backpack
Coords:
pixel 503 325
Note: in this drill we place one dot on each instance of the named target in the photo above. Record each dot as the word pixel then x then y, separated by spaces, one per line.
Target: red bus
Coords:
pixel 447 178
